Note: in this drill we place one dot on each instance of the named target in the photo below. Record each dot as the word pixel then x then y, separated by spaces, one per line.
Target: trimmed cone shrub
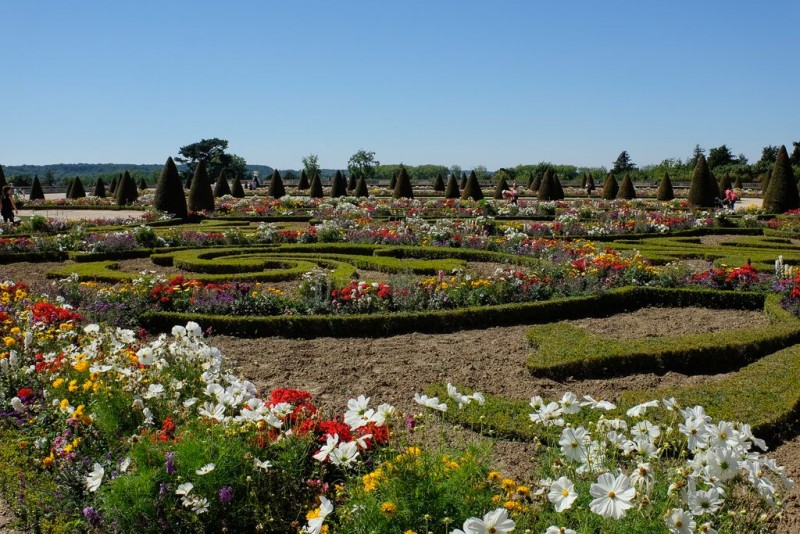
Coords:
pixel 100 188
pixel 142 184
pixel 237 190
pixel 502 185
pixel 536 184
pixel 472 189
pixel 737 183
pixel 764 179
pixel 393 182
pixel 546 187
pixel 221 187
pixel 3 182
pixel 169 196
pixel 626 189
pixel 704 191
pixel 303 184
pixel 589 181
pixel 452 191
pixel 402 189
pixel 36 190
pixel 201 197
pixel 724 183
pixel 463 181
pixel 126 190
pixel 339 186
pixel 361 188
pixel 112 188
pixel 665 191
pixel 782 194
pixel 558 189
pixel 315 188
pixel 77 190
pixel 276 189
pixel 438 183
pixel 351 182
pixel 610 187
pixel 70 181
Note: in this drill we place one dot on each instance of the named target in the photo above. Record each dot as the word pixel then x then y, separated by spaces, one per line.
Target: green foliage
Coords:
pixel 310 167
pixel 142 184
pixel 3 181
pixel 623 163
pixel 351 183
pixel 221 187
pixel 438 183
pixel 502 185
pixel 472 189
pixel 738 182
pixel 781 194
pixel 303 184
pixel 237 191
pixel 339 185
pixel 76 189
pixel 201 197
pixel 315 191
pixel 547 187
pixel 720 156
pixel 463 184
pixel 212 151
pixel 665 192
pixel 557 187
pixel 362 163
pixel 402 188
pixel 276 188
pixel 703 191
pixel 626 189
pixel 169 196
pixel 36 190
pixel 452 191
pixel 361 188
pixel 724 184
pixel 126 193
pixel 610 187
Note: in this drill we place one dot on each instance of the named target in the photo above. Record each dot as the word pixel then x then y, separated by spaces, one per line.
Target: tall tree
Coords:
pixel 623 163
pixel 768 156
pixel 794 159
pixel 698 151
pixel 362 163
pixel 212 151
pixel 310 165
pixel 720 156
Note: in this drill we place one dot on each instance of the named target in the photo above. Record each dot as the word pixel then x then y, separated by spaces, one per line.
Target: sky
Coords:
pixel 446 82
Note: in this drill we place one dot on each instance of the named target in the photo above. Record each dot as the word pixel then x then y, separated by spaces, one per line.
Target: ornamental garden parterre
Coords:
pixel 120 415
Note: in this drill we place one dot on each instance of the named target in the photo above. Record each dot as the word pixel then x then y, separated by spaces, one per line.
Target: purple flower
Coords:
pixel 170 464
pixel 410 422
pixel 225 494
pixel 93 516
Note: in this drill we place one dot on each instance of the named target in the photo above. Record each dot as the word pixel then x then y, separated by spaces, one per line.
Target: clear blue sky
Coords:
pixel 449 82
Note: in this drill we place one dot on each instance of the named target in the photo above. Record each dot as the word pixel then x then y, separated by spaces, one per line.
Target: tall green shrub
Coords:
pixel 536 184
pixel 77 190
pixel 142 184
pixel 547 186
pixel 703 191
pixel 169 196
pixel 303 184
pixel 737 183
pixel 276 188
pixel 315 188
pixel 452 190
pixel 339 186
pixel 402 189
pixel 201 197
pixel 70 181
pixel 438 183
pixel 36 190
pixel 626 189
pixel 610 187
pixel 393 181
pixel 782 194
pixel 100 188
pixel 463 181
pixel 665 191
pixel 502 185
pixel 589 181
pixel 558 189
pixel 126 190
pixel 361 187
pixel 3 182
pixel 188 184
pixel 221 188
pixel 724 183
pixel 764 179
pixel 472 189
pixel 351 182
pixel 112 187
pixel 237 190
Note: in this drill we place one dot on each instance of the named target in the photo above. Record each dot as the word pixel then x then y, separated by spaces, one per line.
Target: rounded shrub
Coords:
pixel 463 183
pixel 557 188
pixel 724 183
pixel 169 196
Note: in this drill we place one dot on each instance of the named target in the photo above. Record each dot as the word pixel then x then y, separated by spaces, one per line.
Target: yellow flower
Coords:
pixel 496 499
pixel 409 532
pixel 508 484
pixel 9 341
pixel 73 386
pixel 81 366
pixel 493 476
pixel 523 490
pixel 87 385
pixel 63 405
pixel 58 382
pixel 78 413
pixel 512 506
pixel 15 331
pixel 388 508
pixel 47 461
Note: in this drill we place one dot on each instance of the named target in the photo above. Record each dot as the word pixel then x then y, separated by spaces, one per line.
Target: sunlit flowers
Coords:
pixel 612 496
pixel 494 522
pixel 93 480
pixel 430 402
pixel 316 517
pixel 562 494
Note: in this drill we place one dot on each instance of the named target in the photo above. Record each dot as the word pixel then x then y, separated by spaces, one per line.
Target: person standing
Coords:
pixel 7 205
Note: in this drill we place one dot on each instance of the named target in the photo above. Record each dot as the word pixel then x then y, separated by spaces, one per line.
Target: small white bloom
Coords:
pixel 17 404
pixel 263 464
pixel 559 530
pixel 573 443
pixel 184 488
pixel 94 478
pixel 193 329
pixel 640 409
pixel 562 494
pixel 680 522
pixel 612 496
pixel 154 391
pixel 206 469
pixel 124 464
pixel 430 402
pixel 314 525
pixel 496 521
pixel 345 454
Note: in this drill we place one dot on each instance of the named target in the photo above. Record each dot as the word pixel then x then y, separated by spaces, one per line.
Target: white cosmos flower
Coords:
pixel 723 435
pixel 722 463
pixel 91 328
pixel 562 494
pixel 430 402
pixel 706 528
pixel 548 415
pixel 124 464
pixel 184 488
pixel 642 478
pixel 385 411
pixel 574 442
pixel 536 402
pixel 206 469
pixel 496 522
pixel 640 409
pixel 17 404
pixel 705 502
pixel 680 522
pixel 569 403
pixel 328 448
pixel 154 391
pixel 146 356
pixel 461 399
pixel 193 329
pixel 178 331
pixel 94 478
pixel 612 496
pixel 263 464
pixel 314 525
pixel 282 409
pixel 559 530
pixel 696 431
pixel 595 404
pixel 646 430
pixel 212 411
pixel 345 454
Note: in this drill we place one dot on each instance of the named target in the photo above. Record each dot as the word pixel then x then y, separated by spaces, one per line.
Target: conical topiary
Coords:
pixel 438 183
pixel 472 189
pixel 315 187
pixel 610 187
pixel 536 183
pixel 737 183
pixel 237 190
pixel 221 188
pixel 126 190
pixel 703 191
pixel 201 197
pixel 463 183
pixel 142 184
pixel 188 184
pixel 557 187
pixel 70 181
pixel 113 185
pixel 665 191
pixel 339 186
pixel 36 190
pixel 402 189
pixel 351 182
pixel 626 189
pixel 169 196
pixel 452 191
pixel 583 181
pixel 547 187
pixel 361 187
pixel 77 190
pixel 3 182
pixel 589 181
pixel 724 184
pixel 276 188
pixel 100 188
pixel 303 184
pixel 393 181
pixel 502 185
pixel 765 181
pixel 782 194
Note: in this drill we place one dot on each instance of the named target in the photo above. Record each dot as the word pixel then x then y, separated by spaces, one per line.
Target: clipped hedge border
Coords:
pixel 438 321
pixel 32 257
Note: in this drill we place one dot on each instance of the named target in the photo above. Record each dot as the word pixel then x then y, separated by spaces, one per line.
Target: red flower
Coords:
pixel 24 393
pixel 329 428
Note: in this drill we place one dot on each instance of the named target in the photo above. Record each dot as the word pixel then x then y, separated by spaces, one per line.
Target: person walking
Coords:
pixel 7 205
